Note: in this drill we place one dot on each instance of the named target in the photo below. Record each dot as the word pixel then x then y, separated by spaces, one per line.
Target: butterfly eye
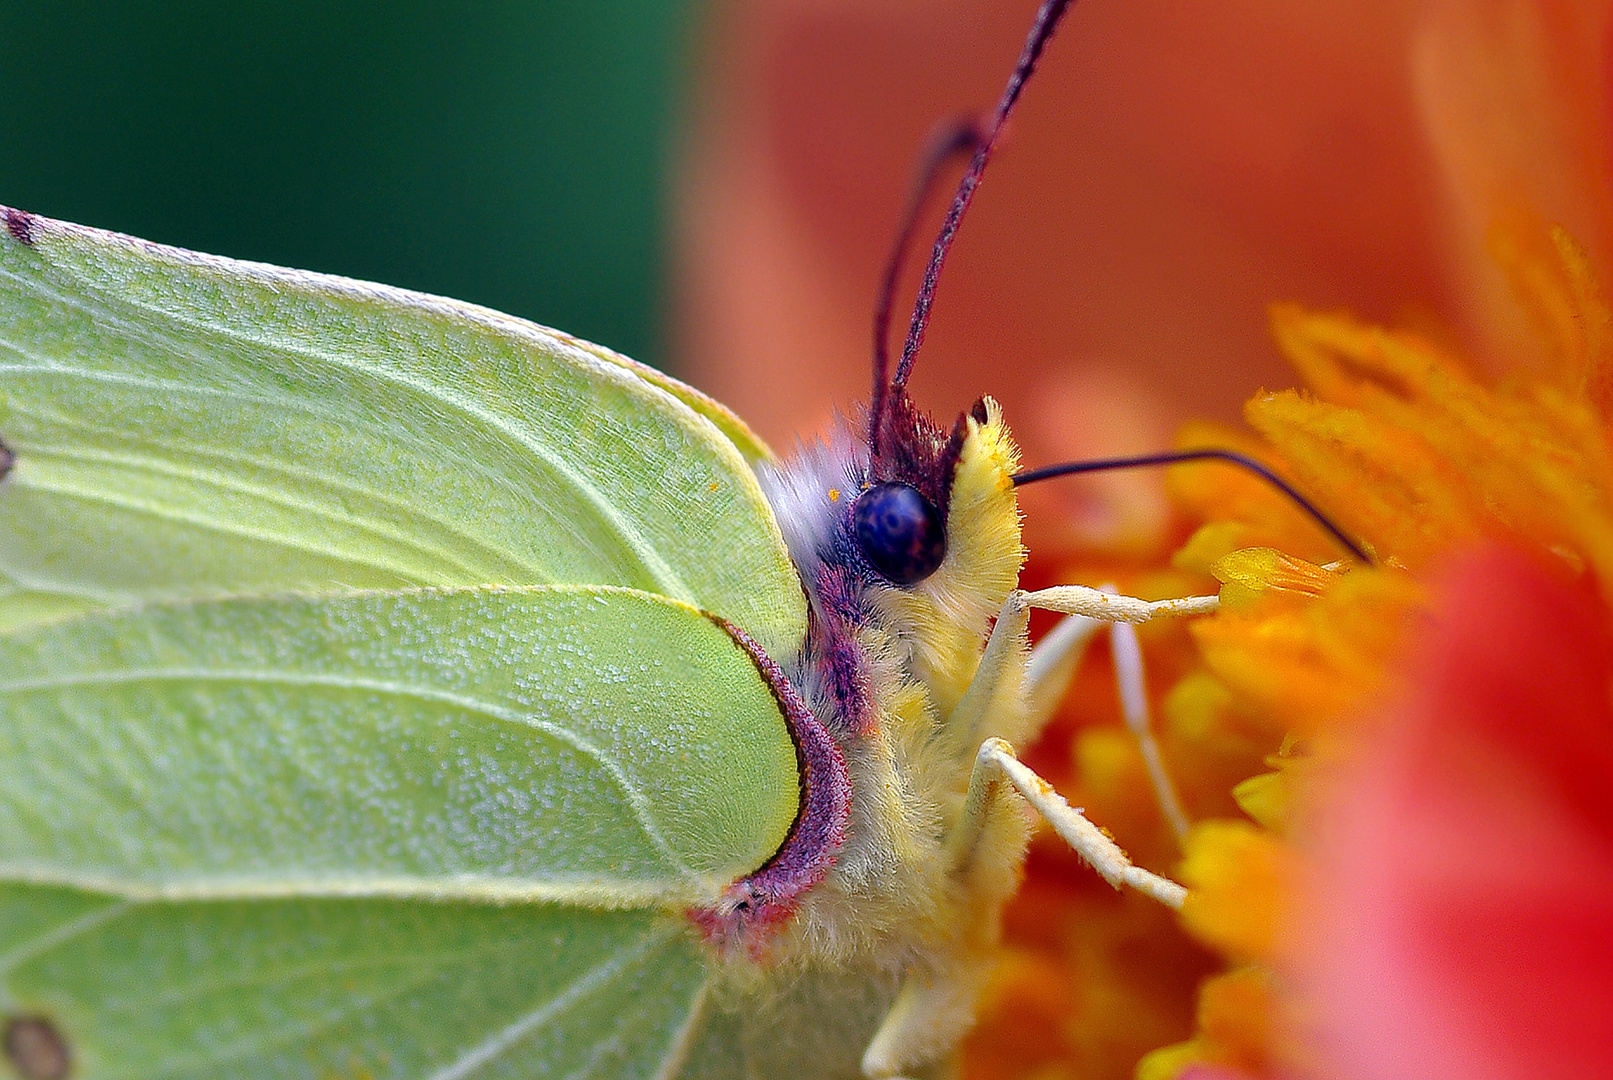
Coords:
pixel 899 532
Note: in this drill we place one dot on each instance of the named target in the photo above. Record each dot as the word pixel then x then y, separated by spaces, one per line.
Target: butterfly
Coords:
pixel 392 687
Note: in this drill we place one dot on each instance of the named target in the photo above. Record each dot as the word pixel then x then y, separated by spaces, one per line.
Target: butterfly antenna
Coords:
pixel 1047 19
pixel 958 136
pixel 1176 457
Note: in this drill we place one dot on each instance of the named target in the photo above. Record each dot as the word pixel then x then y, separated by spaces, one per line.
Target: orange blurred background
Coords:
pixel 1172 169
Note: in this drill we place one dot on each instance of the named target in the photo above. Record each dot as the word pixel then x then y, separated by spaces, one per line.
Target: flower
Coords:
pixel 1423 891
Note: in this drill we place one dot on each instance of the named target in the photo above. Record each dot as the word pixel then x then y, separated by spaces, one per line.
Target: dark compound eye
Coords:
pixel 899 532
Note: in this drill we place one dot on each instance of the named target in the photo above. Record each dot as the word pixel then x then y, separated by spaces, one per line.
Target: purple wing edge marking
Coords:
pixel 755 905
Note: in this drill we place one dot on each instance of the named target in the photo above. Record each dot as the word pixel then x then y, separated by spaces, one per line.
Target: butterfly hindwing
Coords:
pixel 350 987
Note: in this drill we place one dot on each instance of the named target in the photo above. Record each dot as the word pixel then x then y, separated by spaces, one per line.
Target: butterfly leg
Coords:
pixel 1009 697
pixel 936 1003
pixel 1011 694
pixel 1039 685
pixel 997 765
pixel 1112 607
pixel 927 1014
pixel 1133 688
pixel 1051 668
pixel 1122 612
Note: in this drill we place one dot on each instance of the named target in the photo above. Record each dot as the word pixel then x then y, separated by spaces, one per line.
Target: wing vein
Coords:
pixel 501 1040
pixel 288 1033
pixel 632 538
pixel 61 932
pixel 636 799
pixel 237 528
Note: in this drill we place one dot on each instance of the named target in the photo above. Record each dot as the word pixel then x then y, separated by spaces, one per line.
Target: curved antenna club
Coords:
pixel 1047 19
pixel 1176 457
pixel 953 137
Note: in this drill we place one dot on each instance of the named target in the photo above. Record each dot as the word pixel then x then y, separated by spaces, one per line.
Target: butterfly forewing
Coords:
pixel 187 425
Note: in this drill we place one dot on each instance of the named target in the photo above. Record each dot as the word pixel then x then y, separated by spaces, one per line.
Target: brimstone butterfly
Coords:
pixel 390 687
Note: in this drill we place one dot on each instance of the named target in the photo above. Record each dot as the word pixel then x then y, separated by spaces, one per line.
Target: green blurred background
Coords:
pixel 514 154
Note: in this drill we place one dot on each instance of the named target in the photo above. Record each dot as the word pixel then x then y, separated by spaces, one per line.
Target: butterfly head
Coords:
pixel 911 526
pixel 953 493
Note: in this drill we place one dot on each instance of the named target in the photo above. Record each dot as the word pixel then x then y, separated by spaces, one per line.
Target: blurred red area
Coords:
pixel 1463 909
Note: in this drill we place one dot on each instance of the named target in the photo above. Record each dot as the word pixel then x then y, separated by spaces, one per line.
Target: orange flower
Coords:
pixel 1421 460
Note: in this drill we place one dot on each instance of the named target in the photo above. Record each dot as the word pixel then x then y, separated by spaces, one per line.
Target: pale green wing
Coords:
pixel 376 834
pixel 187 425
pixel 597 746
pixel 813 1025
pixel 268 808
pixel 346 988
pixel 746 441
